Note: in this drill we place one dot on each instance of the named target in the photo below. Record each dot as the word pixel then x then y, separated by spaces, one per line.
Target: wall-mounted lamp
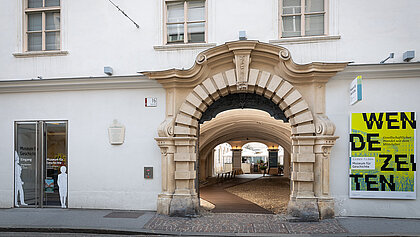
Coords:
pixel 408 55
pixel 391 55
pixel 108 70
pixel 242 35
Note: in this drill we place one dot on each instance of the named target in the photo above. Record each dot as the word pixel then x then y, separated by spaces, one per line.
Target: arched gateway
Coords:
pixel 248 67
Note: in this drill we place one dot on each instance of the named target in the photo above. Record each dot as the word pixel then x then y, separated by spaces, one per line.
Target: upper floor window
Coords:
pixel 302 18
pixel 42 25
pixel 185 21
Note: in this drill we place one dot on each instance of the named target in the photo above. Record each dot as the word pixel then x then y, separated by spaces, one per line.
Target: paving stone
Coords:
pixel 321 227
pixel 220 223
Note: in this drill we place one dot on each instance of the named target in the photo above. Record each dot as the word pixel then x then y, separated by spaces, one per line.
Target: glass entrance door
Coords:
pixel 55 158
pixel 41 164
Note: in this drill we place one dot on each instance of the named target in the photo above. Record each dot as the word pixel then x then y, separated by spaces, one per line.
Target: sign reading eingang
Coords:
pixel 383 155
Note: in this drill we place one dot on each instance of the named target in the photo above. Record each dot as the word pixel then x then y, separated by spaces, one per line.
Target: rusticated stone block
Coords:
pixel 303 210
pixel 184 205
pixel 326 208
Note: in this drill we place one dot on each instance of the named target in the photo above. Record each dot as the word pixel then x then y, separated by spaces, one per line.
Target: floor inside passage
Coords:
pixel 246 193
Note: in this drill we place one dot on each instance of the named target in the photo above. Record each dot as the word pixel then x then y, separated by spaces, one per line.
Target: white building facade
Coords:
pixel 54 54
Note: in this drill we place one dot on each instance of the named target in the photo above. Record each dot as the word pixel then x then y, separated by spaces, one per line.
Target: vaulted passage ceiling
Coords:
pixel 244 125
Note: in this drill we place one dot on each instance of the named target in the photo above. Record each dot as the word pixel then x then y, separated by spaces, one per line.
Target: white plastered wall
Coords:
pixel 96 34
pixel 100 175
pixel 379 95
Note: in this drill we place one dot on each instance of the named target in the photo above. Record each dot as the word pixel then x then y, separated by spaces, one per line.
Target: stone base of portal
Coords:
pixel 303 209
pixel 326 208
pixel 164 203
pixel 178 204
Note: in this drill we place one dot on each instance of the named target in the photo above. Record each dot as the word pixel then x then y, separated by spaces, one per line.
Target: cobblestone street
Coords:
pixel 234 214
pixel 242 223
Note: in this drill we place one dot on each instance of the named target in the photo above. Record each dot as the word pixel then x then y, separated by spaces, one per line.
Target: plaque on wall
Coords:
pixel 116 133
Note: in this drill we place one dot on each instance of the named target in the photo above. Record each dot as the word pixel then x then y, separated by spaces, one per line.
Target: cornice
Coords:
pixel 173 47
pixel 309 73
pixel 305 40
pixel 76 84
pixel 40 54
pixel 268 54
pixel 380 71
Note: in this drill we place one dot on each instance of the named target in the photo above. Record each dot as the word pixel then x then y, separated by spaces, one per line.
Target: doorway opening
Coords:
pixel 244 162
pixel 40 163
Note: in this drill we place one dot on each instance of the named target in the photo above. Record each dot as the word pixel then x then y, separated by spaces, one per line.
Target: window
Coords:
pixel 185 22
pixel 302 18
pixel 42 25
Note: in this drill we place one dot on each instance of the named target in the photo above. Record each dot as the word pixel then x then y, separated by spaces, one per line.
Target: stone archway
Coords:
pixel 248 67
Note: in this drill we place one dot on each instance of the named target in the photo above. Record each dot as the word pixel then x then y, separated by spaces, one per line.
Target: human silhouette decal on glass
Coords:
pixel 18 183
pixel 62 186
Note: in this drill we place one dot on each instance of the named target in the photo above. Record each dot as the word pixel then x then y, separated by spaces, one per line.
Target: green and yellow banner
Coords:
pixel 383 155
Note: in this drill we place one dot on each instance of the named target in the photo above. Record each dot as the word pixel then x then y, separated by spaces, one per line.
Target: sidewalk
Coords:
pixel 208 224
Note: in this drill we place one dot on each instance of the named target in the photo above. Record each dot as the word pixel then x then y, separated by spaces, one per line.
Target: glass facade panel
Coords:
pixel 196 32
pixel 196 10
pixel 26 165
pixel 34 3
pixel 35 22
pixel 34 42
pixel 175 12
pixel 55 158
pixel 52 40
pixel 291 6
pixel 314 5
pixel 52 3
pixel 176 33
pixel 314 24
pixel 52 21
pixel 291 26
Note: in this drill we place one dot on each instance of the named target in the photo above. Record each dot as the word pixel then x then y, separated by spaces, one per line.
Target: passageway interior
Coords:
pixel 244 162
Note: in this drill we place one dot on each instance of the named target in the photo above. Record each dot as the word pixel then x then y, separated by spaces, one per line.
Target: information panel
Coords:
pixel 383 155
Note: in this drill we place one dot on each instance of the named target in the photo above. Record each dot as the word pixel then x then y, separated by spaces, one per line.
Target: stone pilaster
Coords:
pixel 167 148
pixel 303 203
pixel 185 198
pixel 210 164
pixel 236 159
pixel 323 145
pixel 286 164
pixel 325 129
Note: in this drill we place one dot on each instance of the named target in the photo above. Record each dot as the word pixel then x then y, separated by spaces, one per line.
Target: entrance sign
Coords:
pixel 382 155
pixel 356 90
pixel 150 102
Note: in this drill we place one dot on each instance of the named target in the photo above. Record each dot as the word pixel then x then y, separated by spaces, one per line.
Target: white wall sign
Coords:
pixel 116 133
pixel 150 102
pixel 363 163
pixel 356 90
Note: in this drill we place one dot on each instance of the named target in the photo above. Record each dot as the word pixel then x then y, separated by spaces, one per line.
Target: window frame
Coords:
pixel 43 10
pixel 303 15
pixel 185 22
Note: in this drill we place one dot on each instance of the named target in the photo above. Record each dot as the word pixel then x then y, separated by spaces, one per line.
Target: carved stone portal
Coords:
pixel 228 69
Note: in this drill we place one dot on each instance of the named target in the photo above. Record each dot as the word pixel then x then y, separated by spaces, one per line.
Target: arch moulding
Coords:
pixel 248 67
